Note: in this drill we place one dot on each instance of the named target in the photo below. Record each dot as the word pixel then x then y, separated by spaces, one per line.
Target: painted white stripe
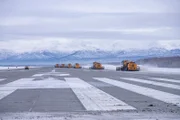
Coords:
pixel 153 83
pixel 4 93
pixel 52 74
pixel 7 89
pixel 28 83
pixel 38 75
pixel 93 98
pixel 160 95
pixel 166 80
pixel 2 80
pixel 61 75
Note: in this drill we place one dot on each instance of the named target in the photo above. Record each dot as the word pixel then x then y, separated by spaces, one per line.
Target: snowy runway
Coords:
pixel 71 90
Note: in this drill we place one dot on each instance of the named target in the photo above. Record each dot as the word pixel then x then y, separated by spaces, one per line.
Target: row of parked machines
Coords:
pixel 126 66
pixel 77 65
pixel 96 65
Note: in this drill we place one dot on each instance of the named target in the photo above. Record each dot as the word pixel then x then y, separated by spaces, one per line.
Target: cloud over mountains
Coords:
pixel 72 25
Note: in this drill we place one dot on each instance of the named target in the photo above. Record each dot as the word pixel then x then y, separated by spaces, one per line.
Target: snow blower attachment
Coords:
pixel 97 66
pixel 128 66
pixel 77 66
pixel 26 68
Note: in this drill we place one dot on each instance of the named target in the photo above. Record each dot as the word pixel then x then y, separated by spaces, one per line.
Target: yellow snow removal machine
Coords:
pixel 77 66
pixel 62 66
pixel 97 66
pixel 57 66
pixel 69 65
pixel 128 66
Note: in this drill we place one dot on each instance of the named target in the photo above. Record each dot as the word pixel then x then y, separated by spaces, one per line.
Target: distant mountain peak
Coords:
pixel 86 54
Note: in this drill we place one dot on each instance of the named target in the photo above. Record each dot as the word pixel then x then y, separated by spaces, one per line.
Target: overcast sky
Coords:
pixel 32 25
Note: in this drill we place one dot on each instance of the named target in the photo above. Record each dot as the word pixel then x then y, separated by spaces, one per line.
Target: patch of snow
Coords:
pixel 87 116
pixel 109 67
pixel 10 68
pixel 14 67
pixel 160 70
pixel 145 68
pixel 86 66
pixel 2 79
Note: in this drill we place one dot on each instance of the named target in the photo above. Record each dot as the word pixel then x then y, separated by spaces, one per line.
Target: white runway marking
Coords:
pixel 4 93
pixel 38 75
pixel 153 83
pixel 93 98
pixel 53 73
pixel 166 80
pixel 2 80
pixel 28 83
pixel 9 88
pixel 62 75
pixel 160 95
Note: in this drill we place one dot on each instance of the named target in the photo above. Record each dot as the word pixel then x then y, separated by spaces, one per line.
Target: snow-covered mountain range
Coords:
pixel 85 55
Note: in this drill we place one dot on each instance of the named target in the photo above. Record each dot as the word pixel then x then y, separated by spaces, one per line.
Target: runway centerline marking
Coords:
pixel 95 99
pixel 2 79
pixel 156 94
pixel 165 79
pixel 167 85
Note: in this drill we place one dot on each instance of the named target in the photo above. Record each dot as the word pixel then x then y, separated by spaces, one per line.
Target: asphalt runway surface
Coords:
pixel 53 94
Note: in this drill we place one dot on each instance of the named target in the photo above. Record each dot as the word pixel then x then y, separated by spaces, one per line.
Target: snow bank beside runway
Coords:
pixel 86 66
pixel 88 116
pixel 14 67
pixel 146 68
pixel 143 68
pixel 160 70
pixel 110 67
pixel 10 68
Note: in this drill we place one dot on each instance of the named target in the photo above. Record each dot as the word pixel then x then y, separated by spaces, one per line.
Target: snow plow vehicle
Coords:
pixel 57 66
pixel 97 66
pixel 69 65
pixel 26 67
pixel 62 66
pixel 128 66
pixel 77 66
